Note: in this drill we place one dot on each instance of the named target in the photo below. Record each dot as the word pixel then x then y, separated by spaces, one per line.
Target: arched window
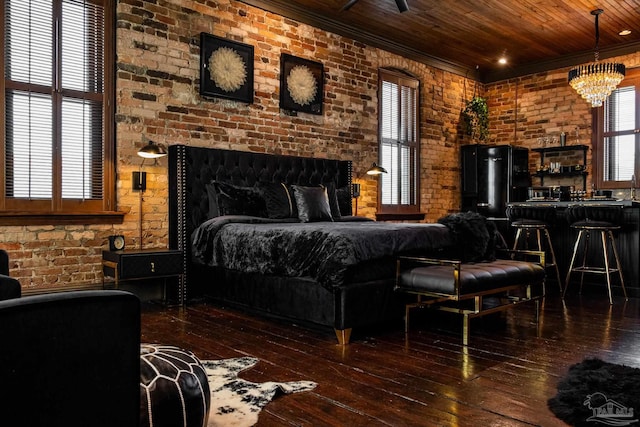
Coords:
pixel 399 138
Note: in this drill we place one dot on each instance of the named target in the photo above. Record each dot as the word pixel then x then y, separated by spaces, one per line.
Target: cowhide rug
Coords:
pixel 236 402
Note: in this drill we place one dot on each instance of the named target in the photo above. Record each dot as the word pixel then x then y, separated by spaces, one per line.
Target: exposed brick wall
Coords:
pixel 158 94
pixel 524 109
pixel 157 98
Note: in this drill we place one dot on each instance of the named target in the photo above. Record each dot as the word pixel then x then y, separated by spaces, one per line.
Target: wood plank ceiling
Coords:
pixel 468 37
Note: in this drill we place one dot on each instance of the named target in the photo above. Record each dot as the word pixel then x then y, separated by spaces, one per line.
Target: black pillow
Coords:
pixel 343 195
pixel 333 200
pixel 312 203
pixel 234 200
pixel 279 200
pixel 212 195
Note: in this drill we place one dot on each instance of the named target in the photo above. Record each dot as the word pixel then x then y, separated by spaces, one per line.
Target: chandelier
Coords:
pixel 595 81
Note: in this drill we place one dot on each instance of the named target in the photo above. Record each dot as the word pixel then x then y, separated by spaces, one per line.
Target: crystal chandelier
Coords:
pixel 595 81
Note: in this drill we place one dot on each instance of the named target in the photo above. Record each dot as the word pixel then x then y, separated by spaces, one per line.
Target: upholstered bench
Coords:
pixel 463 287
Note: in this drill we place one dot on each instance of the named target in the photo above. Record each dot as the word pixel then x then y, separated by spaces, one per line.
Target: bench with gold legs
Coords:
pixel 461 287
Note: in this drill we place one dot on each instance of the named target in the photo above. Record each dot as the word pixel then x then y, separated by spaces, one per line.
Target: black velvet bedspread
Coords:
pixel 321 250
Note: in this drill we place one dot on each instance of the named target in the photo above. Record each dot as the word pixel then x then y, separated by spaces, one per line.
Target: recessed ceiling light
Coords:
pixel 502 61
pixel 624 32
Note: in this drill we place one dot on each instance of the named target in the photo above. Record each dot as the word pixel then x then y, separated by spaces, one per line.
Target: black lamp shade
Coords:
pixel 376 170
pixel 152 151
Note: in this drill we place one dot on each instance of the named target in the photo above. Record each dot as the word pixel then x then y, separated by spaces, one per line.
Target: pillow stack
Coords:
pixel 279 201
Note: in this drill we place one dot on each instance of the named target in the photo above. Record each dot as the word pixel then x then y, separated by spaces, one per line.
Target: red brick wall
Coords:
pixel 524 109
pixel 157 98
pixel 158 95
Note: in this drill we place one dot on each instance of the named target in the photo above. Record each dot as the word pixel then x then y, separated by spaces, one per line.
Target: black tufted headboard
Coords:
pixel 191 168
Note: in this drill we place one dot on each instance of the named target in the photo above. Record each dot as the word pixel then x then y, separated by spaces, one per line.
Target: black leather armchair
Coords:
pixel 9 287
pixel 70 359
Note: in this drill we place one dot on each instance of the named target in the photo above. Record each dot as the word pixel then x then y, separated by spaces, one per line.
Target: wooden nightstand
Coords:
pixel 144 264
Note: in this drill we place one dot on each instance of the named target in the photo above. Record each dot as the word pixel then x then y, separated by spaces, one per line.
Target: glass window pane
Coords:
pixel 389 189
pixel 29 141
pixel 389 110
pixel 405 178
pixel 29 41
pixel 82 40
pixel 620 110
pixel 81 149
pixel 619 158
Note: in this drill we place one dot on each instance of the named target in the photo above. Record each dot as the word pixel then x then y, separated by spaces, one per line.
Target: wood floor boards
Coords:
pixel 426 378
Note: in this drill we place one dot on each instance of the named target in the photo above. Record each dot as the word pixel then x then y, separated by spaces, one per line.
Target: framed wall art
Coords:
pixel 226 69
pixel 301 84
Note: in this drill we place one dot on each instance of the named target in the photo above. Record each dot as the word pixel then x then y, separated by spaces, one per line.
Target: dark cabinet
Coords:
pixel 145 264
pixel 492 176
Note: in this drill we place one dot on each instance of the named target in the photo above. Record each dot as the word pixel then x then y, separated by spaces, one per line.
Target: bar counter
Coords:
pixel 563 238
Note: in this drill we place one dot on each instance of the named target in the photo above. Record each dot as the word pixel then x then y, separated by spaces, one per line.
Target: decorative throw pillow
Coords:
pixel 312 203
pixel 333 200
pixel 279 200
pixel 212 196
pixel 234 200
pixel 343 195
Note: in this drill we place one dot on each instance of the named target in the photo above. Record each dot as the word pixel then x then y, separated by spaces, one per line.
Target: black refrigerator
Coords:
pixel 492 176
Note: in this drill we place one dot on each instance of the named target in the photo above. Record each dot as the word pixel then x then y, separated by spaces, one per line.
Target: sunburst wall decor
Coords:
pixel 226 68
pixel 301 84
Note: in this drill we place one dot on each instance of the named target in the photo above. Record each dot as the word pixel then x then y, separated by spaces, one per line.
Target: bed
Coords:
pixel 256 233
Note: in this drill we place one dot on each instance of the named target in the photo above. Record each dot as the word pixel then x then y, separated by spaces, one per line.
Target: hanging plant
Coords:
pixel 475 117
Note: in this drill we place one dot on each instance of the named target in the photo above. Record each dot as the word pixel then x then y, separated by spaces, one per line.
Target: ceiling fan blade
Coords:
pixel 348 5
pixel 402 5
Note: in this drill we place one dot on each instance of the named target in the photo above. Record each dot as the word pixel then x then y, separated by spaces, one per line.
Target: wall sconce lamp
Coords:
pixel 355 188
pixel 139 178
pixel 376 170
pixel 149 151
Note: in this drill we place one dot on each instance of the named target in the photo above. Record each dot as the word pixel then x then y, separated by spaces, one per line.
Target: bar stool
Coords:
pixel 526 219
pixel 602 219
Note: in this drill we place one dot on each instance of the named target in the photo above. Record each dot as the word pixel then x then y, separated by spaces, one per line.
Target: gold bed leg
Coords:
pixel 465 329
pixel 344 335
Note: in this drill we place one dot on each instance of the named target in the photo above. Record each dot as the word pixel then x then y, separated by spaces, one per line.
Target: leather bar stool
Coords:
pixel 538 219
pixel 589 219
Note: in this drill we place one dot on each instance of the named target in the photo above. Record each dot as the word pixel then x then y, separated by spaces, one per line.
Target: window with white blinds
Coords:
pixel 618 134
pixel 619 138
pixel 55 81
pixel 399 95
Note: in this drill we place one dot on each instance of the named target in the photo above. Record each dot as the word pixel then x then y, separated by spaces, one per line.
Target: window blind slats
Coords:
pixel 36 31
pixel 398 139
pixel 29 156
pixel 29 41
pixel 82 32
pixel 620 110
pixel 389 112
pixel 619 152
pixel 81 159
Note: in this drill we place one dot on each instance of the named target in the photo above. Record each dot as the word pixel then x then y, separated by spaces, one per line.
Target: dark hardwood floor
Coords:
pixel 426 378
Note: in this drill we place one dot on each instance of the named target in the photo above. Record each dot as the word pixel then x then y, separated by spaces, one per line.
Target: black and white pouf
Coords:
pixel 174 391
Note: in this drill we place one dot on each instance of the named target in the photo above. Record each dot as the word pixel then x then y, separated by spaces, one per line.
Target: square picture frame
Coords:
pixel 301 84
pixel 226 69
